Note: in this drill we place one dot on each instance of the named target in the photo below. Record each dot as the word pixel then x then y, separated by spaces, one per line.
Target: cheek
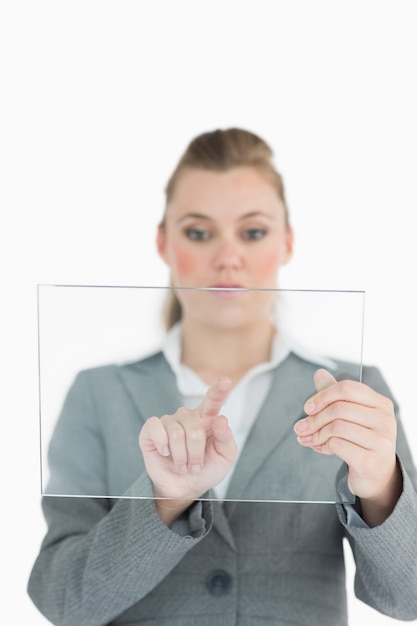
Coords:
pixel 184 263
pixel 268 262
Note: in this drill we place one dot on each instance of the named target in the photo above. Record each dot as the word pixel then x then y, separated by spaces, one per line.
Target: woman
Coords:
pixel 178 557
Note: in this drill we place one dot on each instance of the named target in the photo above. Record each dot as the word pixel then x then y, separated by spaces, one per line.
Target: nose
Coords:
pixel 228 255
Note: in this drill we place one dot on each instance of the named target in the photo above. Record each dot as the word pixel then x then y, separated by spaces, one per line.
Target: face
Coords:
pixel 225 230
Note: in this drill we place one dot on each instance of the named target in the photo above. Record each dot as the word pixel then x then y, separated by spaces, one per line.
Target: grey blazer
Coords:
pixel 110 560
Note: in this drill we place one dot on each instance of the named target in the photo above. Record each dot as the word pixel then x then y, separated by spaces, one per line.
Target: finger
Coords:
pixel 215 396
pixel 346 391
pixel 153 437
pixel 339 429
pixel 342 412
pixel 223 440
pixel 345 450
pixel 195 441
pixel 177 444
pixel 360 461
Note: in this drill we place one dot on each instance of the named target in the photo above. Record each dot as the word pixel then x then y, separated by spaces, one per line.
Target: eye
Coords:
pixel 253 234
pixel 197 234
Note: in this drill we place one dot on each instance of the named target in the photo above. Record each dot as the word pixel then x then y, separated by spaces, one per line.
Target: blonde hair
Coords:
pixel 220 151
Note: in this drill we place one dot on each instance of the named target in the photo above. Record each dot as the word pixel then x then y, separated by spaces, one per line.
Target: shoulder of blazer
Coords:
pixel 151 365
pixel 155 362
pixel 149 383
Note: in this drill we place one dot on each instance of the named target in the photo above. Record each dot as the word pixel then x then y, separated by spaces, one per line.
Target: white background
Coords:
pixel 98 100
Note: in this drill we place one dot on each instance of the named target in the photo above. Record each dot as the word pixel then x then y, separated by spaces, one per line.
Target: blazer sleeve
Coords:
pixel 100 556
pixel 386 556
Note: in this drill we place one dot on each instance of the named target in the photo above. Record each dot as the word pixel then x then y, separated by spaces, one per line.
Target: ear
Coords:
pixel 289 245
pixel 161 243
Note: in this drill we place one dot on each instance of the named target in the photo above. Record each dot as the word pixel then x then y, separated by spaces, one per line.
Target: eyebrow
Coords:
pixel 202 216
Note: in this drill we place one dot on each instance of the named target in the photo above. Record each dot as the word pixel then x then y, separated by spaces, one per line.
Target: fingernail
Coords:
pixel 301 426
pixel 309 407
pixel 305 440
pixel 196 469
pixel 164 451
pixel 183 469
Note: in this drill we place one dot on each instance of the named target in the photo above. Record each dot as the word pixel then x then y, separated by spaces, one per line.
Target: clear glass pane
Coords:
pixel 102 375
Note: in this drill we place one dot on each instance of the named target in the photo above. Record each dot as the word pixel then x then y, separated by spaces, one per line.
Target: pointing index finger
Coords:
pixel 215 396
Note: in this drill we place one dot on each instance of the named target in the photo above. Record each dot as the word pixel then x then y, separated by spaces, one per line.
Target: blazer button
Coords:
pixel 219 582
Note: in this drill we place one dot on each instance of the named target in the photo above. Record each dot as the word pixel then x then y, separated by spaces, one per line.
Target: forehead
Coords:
pixel 241 188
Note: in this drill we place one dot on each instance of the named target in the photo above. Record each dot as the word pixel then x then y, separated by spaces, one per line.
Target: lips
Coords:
pixel 227 290
pixel 227 286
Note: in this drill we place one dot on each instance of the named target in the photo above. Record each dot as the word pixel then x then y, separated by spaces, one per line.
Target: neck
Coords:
pixel 230 352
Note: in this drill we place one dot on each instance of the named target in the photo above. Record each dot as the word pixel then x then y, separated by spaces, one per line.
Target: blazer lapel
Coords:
pixel 282 407
pixel 151 386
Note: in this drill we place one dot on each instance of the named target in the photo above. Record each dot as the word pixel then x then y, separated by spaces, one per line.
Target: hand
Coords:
pixel 356 423
pixel 192 450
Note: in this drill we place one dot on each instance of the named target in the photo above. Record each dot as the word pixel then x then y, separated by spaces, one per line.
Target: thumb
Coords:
pixel 323 379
